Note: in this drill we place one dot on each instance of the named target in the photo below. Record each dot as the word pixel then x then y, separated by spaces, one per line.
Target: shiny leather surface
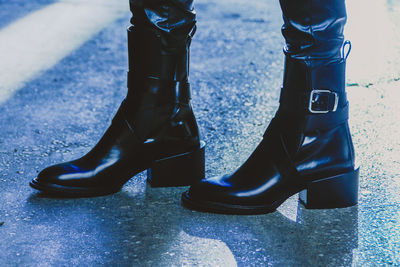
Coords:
pixel 292 153
pixel 313 29
pixel 271 174
pixel 299 146
pixel 155 121
pixel 173 17
pixel 121 153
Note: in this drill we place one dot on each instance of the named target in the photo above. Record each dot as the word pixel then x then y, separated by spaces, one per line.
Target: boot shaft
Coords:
pixel 313 116
pixel 315 94
pixel 153 53
pixel 158 67
pixel 158 102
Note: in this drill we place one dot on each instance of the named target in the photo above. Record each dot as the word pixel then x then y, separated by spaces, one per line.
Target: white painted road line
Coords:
pixel 35 43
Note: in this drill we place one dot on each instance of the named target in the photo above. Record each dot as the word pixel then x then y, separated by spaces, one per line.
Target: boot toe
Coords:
pixel 54 174
pixel 68 180
pixel 209 190
pixel 49 175
pixel 60 175
pixel 220 196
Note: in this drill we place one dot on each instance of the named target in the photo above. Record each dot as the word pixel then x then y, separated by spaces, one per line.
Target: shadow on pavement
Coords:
pixel 145 226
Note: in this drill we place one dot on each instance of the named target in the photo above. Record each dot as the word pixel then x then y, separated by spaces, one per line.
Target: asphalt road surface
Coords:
pixel 62 77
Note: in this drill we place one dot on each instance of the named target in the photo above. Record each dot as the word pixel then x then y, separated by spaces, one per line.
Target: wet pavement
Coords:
pixel 236 73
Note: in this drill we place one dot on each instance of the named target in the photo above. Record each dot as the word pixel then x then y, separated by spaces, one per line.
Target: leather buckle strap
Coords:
pixel 317 101
pixel 134 79
pixel 322 101
pixel 169 90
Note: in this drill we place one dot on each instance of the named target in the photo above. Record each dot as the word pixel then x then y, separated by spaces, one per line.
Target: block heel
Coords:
pixel 179 170
pixel 334 192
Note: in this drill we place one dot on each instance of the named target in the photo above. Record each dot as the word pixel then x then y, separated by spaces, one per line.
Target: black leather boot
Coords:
pixel 154 129
pixel 307 148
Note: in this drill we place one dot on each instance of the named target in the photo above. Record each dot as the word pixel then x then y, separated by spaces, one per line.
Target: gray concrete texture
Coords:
pixel 236 74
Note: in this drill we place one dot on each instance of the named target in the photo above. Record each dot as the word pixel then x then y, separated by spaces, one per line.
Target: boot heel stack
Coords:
pixel 179 170
pixel 334 192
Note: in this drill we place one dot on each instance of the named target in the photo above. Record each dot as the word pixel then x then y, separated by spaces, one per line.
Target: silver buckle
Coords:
pixel 312 101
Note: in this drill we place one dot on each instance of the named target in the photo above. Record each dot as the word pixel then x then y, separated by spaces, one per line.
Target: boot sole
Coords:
pixel 55 190
pixel 178 170
pixel 338 191
pixel 224 208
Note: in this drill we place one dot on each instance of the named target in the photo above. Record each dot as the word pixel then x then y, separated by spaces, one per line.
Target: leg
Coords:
pixel 155 128
pixel 307 146
pixel 173 17
pixel 313 29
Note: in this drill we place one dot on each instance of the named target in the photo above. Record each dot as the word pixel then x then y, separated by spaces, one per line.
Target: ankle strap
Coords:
pixel 159 90
pixel 319 109
pixel 314 94
pixel 317 101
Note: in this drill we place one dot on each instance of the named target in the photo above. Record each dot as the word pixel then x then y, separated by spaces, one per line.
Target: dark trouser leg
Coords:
pixel 307 147
pixel 174 18
pixel 313 29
